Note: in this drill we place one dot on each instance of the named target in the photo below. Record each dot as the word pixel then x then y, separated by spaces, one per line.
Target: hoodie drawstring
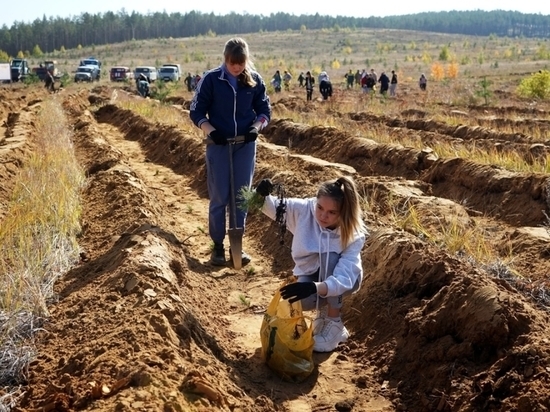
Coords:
pixel 322 273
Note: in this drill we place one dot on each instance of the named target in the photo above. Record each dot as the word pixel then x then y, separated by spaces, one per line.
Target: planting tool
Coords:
pixel 235 233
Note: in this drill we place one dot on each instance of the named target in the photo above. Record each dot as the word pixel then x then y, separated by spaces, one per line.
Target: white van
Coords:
pixel 169 74
pixel 149 71
pixel 177 66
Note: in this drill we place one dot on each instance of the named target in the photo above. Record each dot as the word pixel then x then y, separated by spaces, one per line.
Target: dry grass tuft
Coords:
pixel 37 240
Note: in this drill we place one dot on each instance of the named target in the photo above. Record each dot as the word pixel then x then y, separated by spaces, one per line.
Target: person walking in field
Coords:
pixel 328 236
pixel 393 83
pixel 301 79
pixel 384 81
pixel 229 101
pixel 287 77
pixel 350 78
pixel 422 82
pixel 309 83
pixel 358 78
pixel 189 82
pixel 276 81
pixel 49 82
pixel 325 85
pixel 374 75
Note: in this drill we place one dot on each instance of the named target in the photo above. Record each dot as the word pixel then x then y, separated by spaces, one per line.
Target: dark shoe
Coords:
pixel 245 258
pixel 218 255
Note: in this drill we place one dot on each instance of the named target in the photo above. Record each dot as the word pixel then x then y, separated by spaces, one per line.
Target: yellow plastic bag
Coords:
pixel 287 340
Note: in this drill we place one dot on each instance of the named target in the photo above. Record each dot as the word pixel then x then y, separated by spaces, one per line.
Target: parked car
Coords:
pixel 149 71
pixel 121 73
pixel 86 74
pixel 169 74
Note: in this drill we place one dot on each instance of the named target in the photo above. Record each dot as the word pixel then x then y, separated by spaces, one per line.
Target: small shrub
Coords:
pixel 537 85
pixel 31 79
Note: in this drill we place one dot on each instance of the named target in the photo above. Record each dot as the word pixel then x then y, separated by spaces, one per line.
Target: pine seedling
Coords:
pixel 249 200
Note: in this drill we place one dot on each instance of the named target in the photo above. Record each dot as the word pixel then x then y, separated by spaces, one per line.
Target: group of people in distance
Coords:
pixel 367 81
pixel 191 81
pixel 328 228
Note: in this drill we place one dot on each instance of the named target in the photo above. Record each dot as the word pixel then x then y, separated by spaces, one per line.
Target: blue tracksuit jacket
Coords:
pixel 231 111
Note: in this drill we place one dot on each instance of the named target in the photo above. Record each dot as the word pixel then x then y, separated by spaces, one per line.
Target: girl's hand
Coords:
pixel 264 187
pixel 296 291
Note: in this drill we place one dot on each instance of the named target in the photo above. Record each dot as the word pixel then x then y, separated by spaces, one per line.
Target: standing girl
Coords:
pixel 229 101
pixel 329 234
pixel 309 83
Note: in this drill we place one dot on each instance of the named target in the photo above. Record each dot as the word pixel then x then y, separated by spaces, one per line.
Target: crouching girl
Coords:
pixel 329 234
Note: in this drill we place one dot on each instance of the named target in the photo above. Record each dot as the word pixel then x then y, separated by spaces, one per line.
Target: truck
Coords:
pixel 91 61
pixel 47 66
pixel 19 69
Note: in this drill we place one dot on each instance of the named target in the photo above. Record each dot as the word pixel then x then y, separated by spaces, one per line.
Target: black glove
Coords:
pixel 217 138
pixel 296 291
pixel 264 188
pixel 251 135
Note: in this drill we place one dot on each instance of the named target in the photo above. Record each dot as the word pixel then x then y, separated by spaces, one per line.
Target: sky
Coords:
pixel 30 10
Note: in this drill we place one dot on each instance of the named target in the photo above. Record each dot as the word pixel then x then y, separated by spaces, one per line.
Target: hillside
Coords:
pixel 86 30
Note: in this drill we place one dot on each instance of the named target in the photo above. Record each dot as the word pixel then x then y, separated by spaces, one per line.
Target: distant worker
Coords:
pixel 393 83
pixel 142 83
pixel 358 78
pixel 49 82
pixel 189 82
pixel 309 83
pixel 276 81
pixel 301 79
pixel 287 77
pixel 422 82
pixel 374 75
pixel 350 78
pixel 368 84
pixel 325 86
pixel 384 81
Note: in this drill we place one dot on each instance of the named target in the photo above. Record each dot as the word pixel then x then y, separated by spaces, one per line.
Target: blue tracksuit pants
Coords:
pixel 219 184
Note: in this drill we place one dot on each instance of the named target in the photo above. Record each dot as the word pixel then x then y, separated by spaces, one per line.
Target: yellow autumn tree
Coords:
pixel 335 64
pixel 452 70
pixel 437 72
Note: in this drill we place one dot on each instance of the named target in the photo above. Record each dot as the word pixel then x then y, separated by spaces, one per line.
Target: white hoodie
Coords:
pixel 310 240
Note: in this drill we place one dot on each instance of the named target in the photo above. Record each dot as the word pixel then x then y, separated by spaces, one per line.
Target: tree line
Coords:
pixel 55 33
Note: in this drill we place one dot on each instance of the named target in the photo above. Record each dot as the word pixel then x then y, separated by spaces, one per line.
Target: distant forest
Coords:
pixel 51 34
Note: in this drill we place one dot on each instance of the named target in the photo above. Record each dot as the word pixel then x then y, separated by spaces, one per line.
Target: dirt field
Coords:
pixel 146 316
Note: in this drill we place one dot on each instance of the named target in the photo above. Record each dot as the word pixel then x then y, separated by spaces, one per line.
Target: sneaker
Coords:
pixel 245 257
pixel 218 255
pixel 318 324
pixel 330 336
